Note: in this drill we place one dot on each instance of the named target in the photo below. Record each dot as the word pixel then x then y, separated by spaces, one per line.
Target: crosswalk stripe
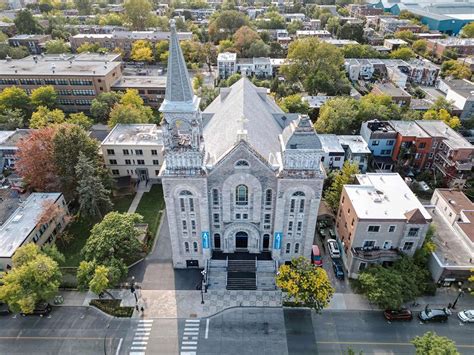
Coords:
pixel 142 333
pixel 189 342
pixel 193 320
pixel 188 353
pixel 191 333
pixel 194 338
pixel 139 343
pixel 141 338
pixel 138 348
pixel 145 321
pixel 188 347
pixel 136 353
pixel 191 329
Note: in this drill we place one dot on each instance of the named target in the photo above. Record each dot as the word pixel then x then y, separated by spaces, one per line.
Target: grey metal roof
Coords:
pixel 301 135
pixel 246 112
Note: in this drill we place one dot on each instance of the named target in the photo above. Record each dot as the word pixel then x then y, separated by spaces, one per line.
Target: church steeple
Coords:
pixel 178 86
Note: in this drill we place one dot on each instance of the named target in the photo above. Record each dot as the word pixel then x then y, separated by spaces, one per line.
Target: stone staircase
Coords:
pixel 241 275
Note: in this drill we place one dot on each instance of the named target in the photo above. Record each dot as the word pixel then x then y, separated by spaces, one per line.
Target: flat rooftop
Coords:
pixel 440 129
pixel 134 134
pixel 383 196
pixel 409 129
pixel 453 41
pixel 56 66
pixel 316 101
pixel 330 143
pixel 227 56
pixel 140 82
pixel 391 90
pixel 457 199
pixel 463 87
pixel 22 221
pixel 356 144
pixel 134 35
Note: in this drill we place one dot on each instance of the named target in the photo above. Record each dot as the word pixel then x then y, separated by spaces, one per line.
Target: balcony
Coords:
pixel 375 253
pixel 463 165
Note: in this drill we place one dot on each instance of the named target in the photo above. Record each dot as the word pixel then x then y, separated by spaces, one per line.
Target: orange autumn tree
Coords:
pixel 35 163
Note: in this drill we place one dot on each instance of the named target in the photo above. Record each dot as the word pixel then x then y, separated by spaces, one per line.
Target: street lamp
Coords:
pixel 203 284
pixel 461 292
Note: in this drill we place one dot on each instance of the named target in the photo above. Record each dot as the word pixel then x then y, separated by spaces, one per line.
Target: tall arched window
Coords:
pixel 186 247
pixel 215 197
pixel 268 197
pixel 297 248
pixel 241 195
pixel 288 248
pixel 186 201
pixel 299 193
pixel 297 202
pixel 195 247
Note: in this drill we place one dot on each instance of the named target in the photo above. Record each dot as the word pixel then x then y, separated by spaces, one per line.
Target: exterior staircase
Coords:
pixel 241 275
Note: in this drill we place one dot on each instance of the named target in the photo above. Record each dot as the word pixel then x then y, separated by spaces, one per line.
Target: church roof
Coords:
pixel 179 95
pixel 300 134
pixel 246 112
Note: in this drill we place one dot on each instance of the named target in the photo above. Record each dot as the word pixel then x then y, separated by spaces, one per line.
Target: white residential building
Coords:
pixel 134 150
pixel 333 157
pixel 226 64
pixel 22 226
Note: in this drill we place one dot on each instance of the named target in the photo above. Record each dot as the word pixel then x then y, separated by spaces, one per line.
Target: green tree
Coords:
pixel 141 51
pixel 114 237
pixel 379 107
pixel 352 31
pixel 103 104
pixel 44 117
pixel 83 6
pixel 57 46
pixel 406 35
pixel 15 98
pixel 419 46
pixel 94 198
pixel 91 48
pixel 243 38
pixel 138 13
pixel 403 53
pixel 100 281
pixel 343 177
pixel 161 51
pixel 468 30
pixel 318 66
pixel 293 104
pixel 85 271
pixel 305 284
pixel 130 109
pixel 45 96
pixel 80 119
pixel 432 344
pixel 111 19
pixel 452 121
pixel 338 115
pixel 35 277
pixel 231 80
pixel 381 286
pixel 226 45
pixel 225 23
pixel 11 119
pixel 359 51
pixel 258 49
pixel 455 69
pixel 26 23
pixel 333 25
pixel 18 52
pixel 294 26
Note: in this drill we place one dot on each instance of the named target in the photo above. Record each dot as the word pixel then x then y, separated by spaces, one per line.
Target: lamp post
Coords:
pixel 203 284
pixel 461 292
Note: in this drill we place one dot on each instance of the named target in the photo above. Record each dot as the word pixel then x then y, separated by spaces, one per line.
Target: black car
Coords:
pixel 41 309
pixel 434 315
pixel 4 310
pixel 338 270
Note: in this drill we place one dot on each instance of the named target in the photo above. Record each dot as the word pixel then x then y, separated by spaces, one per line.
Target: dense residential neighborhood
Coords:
pixel 220 177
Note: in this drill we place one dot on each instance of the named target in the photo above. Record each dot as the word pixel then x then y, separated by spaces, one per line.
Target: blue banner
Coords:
pixel 277 240
pixel 205 240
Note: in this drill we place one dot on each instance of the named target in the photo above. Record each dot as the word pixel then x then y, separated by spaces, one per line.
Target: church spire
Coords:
pixel 178 85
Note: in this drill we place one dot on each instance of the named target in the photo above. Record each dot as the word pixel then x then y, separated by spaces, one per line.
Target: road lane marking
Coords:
pixel 191 328
pixel 142 333
pixel 207 329
pixel 382 343
pixel 119 346
pixel 188 353
pixel 141 337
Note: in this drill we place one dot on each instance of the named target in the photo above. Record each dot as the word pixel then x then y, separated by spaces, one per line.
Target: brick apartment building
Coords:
pixel 464 47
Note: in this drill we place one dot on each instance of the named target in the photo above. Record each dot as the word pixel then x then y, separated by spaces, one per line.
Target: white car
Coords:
pixel 424 186
pixel 333 248
pixel 466 316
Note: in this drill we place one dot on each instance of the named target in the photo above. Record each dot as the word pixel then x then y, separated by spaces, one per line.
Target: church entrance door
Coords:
pixel 241 241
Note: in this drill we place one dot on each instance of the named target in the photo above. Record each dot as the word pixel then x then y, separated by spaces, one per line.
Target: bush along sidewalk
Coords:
pixel 112 307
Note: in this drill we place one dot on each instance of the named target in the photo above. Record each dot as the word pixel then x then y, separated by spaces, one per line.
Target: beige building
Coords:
pixel 23 226
pixel 150 88
pixel 77 79
pixel 379 219
pixel 134 150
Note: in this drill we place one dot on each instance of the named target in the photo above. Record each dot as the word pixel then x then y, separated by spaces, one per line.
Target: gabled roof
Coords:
pixel 415 217
pixel 246 112
pixel 300 134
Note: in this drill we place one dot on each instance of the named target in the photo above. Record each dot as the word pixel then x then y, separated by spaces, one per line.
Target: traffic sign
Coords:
pixel 277 240
pixel 205 240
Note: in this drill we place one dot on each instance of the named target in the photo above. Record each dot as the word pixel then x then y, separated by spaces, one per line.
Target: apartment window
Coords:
pixel 373 229
pixel 138 152
pixel 267 218
pixel 128 162
pixel 140 162
pixel 391 229
pixel 245 216
pixel 368 244
pixel 422 145
pixel 241 195
pixel 193 225
pixel 125 152
pixel 268 197
pixel 290 225
pixel 191 205
pixel 113 162
pixel 352 223
pixel 390 142
pixel 301 206
pixel 185 225
pixel 430 156
pixel 362 266
pixel 238 216
pixel 292 206
pixel 115 172
pixel 110 152
pixel 182 205
pixel 216 217
pixel 375 142
pixel 288 248
pixel 337 159
pixel 156 162
pixel 195 247
pixel 413 232
pixel 157 172
pixel 186 247
pixel 299 226
pixel 387 244
pixel 408 246
pixel 154 152
pixel 297 248
pixel 215 197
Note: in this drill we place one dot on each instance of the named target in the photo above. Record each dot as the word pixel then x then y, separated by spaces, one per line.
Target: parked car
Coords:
pixel 434 315
pixel 338 269
pixel 399 314
pixel 466 316
pixel 316 256
pixel 333 248
pixel 423 186
pixel 41 309
pixel 4 310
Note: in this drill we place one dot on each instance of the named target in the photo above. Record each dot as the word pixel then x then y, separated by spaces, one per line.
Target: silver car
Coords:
pixel 466 316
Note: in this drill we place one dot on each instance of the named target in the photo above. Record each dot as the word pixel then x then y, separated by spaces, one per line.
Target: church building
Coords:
pixel 240 178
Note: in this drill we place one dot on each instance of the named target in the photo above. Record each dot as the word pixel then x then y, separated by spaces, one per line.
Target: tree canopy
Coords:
pixel 57 46
pixel 44 96
pixel 305 284
pixel 468 30
pixel 137 13
pixel 142 51
pixel 26 23
pixel 44 117
pixel 293 104
pixel 342 177
pixel 432 344
pixel 225 23
pixel 455 69
pixel 403 53
pixel 130 109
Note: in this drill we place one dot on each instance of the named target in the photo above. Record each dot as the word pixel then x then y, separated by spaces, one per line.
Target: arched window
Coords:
pixel 288 248
pixel 185 193
pixel 298 193
pixel 186 247
pixel 242 164
pixel 268 197
pixel 297 248
pixel 301 206
pixel 215 197
pixel 195 247
pixel 241 195
pixel 297 202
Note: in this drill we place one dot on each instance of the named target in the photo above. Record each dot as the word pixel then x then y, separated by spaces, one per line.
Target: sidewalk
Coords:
pixel 142 187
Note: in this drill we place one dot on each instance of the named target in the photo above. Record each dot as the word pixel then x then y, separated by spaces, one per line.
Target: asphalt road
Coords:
pixel 78 330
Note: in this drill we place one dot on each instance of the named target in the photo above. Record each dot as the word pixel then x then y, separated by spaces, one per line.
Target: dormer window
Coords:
pixel 242 164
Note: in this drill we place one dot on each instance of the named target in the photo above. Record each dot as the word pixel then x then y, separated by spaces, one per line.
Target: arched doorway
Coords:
pixel 266 242
pixel 217 241
pixel 241 241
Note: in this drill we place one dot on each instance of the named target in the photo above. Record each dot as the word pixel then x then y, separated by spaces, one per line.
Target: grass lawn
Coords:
pixel 149 207
pixel 122 203
pixel 79 231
